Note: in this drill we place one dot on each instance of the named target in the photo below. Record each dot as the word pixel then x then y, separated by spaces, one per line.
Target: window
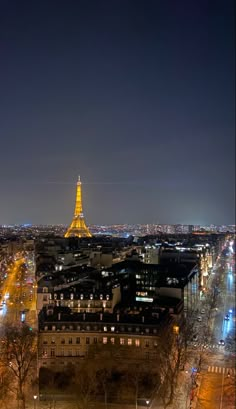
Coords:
pixel 77 352
pixel 77 340
pixel 147 330
pixel 113 340
pixel 112 329
pixel 53 340
pixel 104 340
pixel 45 328
pixel 88 328
pixel 63 341
pixel 129 341
pixel 70 341
pixel 44 298
pixel 54 328
pixel 69 352
pixel 122 341
pixel 101 297
pixel 146 343
pixel 137 329
pixel 62 352
pixel 137 342
pixel 91 296
pixel 81 296
pixel 95 340
pixel 45 353
pixel 71 296
pixel 107 297
pixel 155 344
pixel 147 355
pixel 71 327
pixel 87 340
pixel 45 289
pixel 45 341
pixel 105 329
pixel 52 352
pixel 55 296
pixel 61 296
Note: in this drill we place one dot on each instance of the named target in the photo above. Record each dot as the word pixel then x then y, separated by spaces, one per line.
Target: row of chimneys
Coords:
pixel 101 317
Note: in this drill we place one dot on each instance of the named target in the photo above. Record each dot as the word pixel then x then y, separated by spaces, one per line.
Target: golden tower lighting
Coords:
pixel 78 227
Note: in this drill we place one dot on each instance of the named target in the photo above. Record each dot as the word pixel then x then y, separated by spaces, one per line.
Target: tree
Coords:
pixel 18 357
pixel 84 385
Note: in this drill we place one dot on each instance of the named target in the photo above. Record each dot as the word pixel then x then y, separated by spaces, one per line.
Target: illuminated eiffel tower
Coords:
pixel 78 227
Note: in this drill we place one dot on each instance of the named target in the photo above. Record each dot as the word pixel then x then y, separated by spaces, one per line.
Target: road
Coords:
pixel 217 385
pixel 18 291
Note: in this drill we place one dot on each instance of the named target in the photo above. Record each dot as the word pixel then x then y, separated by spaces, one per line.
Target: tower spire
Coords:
pixel 78 227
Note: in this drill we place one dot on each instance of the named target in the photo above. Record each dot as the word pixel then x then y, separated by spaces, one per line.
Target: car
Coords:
pixel 199 319
pixel 203 311
pixel 221 342
pixel 195 338
pixel 226 317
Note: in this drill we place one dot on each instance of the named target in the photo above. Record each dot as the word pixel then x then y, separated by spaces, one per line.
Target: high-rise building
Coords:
pixel 78 227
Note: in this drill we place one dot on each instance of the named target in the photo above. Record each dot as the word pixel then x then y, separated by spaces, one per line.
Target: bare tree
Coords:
pixel 84 385
pixel 18 357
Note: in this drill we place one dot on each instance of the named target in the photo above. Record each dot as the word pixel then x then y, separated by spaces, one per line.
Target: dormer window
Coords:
pixel 72 296
pixel 101 297
pixel 81 296
pixel 62 296
pixel 55 296
pixel 91 296
pixel 107 297
pixel 45 289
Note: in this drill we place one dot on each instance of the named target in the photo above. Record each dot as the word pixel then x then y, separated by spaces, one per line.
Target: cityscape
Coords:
pixel 117 210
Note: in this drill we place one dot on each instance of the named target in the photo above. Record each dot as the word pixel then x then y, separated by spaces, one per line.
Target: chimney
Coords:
pixel 101 316
pixel 59 316
pixel 117 317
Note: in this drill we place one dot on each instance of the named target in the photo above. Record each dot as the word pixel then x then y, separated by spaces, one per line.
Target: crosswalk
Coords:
pixel 206 346
pixel 221 370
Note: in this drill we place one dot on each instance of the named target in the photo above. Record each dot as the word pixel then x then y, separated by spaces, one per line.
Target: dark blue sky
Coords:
pixel 136 96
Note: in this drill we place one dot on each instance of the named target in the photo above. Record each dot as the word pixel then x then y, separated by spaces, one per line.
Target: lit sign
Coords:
pixel 144 299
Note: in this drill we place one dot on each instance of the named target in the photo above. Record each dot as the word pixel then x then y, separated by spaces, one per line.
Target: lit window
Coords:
pixel 104 304
pixel 104 340
pixel 101 297
pixel 107 297
pixel 105 329
pixel 112 329
pixel 54 328
pixel 91 296
pixel 137 342
pixel 146 343
pixel 129 341
pixel 155 344
pixel 112 340
pixel 53 341
pixel 122 341
pixel 70 341
pixel 72 296
pixel 61 296
pixel 81 296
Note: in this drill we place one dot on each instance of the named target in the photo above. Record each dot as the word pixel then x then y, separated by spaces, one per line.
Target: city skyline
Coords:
pixel 138 100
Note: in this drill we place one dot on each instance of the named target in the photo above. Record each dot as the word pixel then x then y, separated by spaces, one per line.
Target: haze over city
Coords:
pixel 136 97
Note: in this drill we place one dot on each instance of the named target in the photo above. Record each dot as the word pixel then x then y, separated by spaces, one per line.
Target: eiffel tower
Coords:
pixel 78 227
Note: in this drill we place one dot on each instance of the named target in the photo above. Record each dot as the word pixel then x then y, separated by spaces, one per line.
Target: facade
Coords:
pixel 66 338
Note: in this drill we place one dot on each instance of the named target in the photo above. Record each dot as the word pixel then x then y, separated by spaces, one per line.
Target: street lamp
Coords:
pixel 35 398
pixel 147 402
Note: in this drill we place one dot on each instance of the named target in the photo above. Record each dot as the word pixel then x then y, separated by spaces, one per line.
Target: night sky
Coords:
pixel 135 96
